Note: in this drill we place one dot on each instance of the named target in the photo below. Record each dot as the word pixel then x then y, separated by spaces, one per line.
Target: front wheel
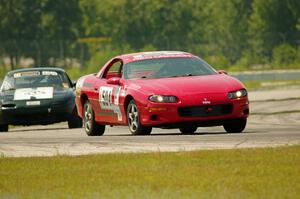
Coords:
pixel 3 127
pixel 92 128
pixel 235 126
pixel 133 117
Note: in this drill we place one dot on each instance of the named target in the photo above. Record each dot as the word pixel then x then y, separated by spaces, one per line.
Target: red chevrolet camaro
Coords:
pixel 166 89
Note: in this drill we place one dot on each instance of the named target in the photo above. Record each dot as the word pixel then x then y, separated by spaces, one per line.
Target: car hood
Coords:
pixel 190 90
pixel 188 85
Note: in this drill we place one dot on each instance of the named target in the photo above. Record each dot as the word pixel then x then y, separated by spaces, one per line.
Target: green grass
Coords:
pixel 242 173
pixel 277 113
pixel 254 85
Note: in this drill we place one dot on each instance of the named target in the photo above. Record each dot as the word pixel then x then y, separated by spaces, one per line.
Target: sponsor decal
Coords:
pixel 153 55
pixel 117 109
pixel 34 73
pixel 33 93
pixel 29 73
pixel 49 73
pixel 117 95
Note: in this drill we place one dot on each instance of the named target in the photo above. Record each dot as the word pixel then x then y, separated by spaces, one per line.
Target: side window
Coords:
pixel 115 70
pixel 65 80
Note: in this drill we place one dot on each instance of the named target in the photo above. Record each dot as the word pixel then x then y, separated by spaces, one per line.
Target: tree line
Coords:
pixel 248 34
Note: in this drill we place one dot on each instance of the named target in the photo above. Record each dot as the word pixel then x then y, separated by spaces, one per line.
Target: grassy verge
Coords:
pixel 254 85
pixel 243 173
pixel 277 113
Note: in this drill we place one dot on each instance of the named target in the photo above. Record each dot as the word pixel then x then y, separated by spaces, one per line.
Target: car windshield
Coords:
pixel 167 67
pixel 33 79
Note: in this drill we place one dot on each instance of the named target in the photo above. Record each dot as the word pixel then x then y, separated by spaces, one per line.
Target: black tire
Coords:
pixel 74 121
pixel 3 127
pixel 188 130
pixel 133 118
pixel 235 126
pixel 91 127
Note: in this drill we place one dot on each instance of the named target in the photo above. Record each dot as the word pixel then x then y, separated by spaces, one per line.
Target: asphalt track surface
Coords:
pixel 275 121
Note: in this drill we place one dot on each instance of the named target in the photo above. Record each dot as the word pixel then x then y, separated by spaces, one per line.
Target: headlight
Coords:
pixel 237 94
pixel 163 98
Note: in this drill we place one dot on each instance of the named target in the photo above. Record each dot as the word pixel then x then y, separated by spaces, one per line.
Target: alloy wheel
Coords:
pixel 133 117
pixel 88 117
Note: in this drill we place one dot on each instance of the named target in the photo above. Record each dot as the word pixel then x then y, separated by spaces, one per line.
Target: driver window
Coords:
pixel 115 70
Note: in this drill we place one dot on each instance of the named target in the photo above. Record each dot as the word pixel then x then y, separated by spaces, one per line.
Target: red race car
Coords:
pixel 166 89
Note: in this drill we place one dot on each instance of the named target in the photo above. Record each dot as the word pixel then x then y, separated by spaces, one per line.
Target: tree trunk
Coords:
pixel 12 64
pixel 81 56
pixel 38 54
pixel 61 45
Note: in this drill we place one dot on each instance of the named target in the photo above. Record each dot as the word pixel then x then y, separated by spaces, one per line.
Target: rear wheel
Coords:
pixel 188 130
pixel 74 121
pixel 235 126
pixel 133 117
pixel 3 127
pixel 91 127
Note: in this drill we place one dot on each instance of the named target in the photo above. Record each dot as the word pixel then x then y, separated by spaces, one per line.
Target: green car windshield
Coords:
pixel 34 79
pixel 167 67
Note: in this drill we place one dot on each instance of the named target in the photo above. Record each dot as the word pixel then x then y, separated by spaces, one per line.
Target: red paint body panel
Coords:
pixel 191 91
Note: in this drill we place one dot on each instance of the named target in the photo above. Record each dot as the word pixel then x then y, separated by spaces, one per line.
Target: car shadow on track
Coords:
pixel 169 134
pixel 195 134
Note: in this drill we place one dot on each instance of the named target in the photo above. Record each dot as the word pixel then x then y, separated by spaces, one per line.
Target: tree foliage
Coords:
pixel 36 29
pixel 248 32
pixel 272 23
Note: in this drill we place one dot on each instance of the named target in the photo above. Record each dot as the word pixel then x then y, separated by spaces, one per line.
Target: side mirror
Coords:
pixel 222 72
pixel 114 80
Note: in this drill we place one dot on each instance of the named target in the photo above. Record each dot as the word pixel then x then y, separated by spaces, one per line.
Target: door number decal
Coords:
pixel 105 98
pixel 106 101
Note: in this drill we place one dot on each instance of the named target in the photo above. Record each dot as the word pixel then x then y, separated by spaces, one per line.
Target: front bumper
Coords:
pixel 47 112
pixel 168 114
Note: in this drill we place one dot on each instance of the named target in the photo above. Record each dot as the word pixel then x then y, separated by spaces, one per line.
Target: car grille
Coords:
pixel 205 111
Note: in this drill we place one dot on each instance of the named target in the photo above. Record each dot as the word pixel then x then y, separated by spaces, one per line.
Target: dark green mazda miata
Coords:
pixel 37 96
